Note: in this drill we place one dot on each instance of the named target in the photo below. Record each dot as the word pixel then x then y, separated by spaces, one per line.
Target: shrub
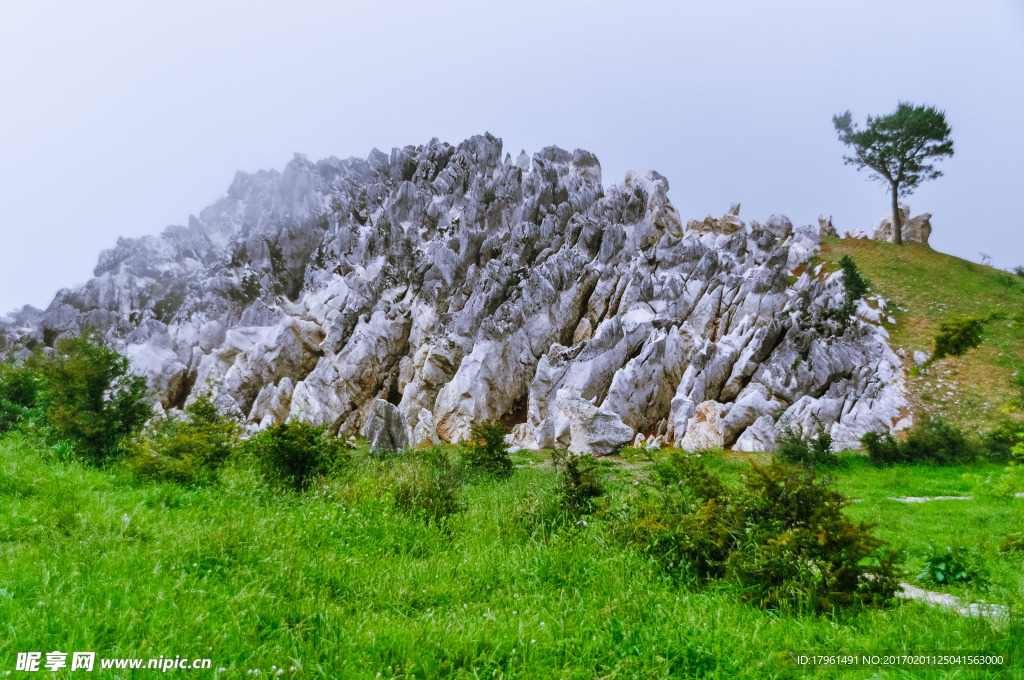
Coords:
pixel 578 487
pixel 1012 480
pixel 184 450
pixel 487 452
pixel 794 447
pixel 882 449
pixel 933 440
pixel 21 386
pixel 855 286
pixel 295 453
pixel 782 536
pixel 998 442
pixel 490 196
pixel 801 549
pixel 428 483
pixel 90 397
pixel 956 337
pixel 952 565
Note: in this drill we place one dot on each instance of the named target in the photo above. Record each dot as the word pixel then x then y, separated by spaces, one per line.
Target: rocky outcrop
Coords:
pixel 593 431
pixel 917 229
pixel 425 432
pixel 386 431
pixel 459 285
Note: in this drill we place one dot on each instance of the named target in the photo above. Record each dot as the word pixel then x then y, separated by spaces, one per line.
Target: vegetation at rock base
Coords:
pixel 486 452
pixel 82 393
pixel 188 449
pixel 295 453
pixel 781 536
pixel 933 440
pixel 804 449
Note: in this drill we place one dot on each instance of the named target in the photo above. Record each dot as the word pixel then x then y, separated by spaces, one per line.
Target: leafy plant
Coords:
pixel 952 565
pixel 578 487
pixel 427 482
pixel 782 536
pixel 956 337
pixel 1000 441
pixel 184 450
pixel 295 453
pixel 855 286
pixel 794 447
pixel 933 440
pixel 487 452
pixel 91 398
pixel 21 387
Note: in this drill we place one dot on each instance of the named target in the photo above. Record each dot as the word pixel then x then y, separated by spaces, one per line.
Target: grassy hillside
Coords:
pixel 336 583
pixel 974 391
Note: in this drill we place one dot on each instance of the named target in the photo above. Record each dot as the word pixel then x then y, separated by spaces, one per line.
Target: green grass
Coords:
pixel 929 287
pixel 337 584
pixel 978 525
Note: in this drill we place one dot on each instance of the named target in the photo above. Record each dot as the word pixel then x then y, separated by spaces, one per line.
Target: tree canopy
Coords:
pixel 898 149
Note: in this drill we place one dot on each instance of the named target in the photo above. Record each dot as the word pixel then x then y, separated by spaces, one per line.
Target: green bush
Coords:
pixel 578 487
pixel 90 398
pixel 295 453
pixel 998 442
pixel 487 453
pixel 855 286
pixel 428 483
pixel 933 440
pixel 185 450
pixel 782 536
pixel 952 565
pixel 956 337
pixel 793 447
pixel 21 387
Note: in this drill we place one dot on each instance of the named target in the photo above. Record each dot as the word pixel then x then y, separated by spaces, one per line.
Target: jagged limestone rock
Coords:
pixel 425 431
pixel 917 229
pixel 760 436
pixel 825 227
pixel 386 431
pixel 704 429
pixel 456 282
pixel 593 431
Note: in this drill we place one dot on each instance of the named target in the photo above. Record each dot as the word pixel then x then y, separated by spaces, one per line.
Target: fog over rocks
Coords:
pixel 464 285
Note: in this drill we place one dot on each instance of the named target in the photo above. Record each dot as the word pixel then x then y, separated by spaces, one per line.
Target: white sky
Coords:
pixel 117 119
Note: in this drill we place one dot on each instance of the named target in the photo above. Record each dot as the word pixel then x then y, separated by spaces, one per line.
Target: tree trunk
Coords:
pixel 897 223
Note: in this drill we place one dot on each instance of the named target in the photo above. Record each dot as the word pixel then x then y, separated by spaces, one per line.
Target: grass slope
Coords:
pixel 337 584
pixel 929 287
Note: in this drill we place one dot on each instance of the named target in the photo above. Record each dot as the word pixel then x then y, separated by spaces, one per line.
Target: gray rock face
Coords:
pixel 464 287
pixel 758 437
pixel 425 432
pixel 386 431
pixel 593 431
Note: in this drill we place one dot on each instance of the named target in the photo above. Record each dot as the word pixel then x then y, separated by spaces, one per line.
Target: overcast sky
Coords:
pixel 117 119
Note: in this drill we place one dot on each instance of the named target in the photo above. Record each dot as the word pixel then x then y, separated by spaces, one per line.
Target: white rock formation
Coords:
pixel 386 430
pixel 593 431
pixel 425 432
pixel 464 286
pixel 917 229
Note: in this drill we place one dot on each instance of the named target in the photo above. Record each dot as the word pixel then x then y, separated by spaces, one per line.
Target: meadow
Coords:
pixel 337 582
